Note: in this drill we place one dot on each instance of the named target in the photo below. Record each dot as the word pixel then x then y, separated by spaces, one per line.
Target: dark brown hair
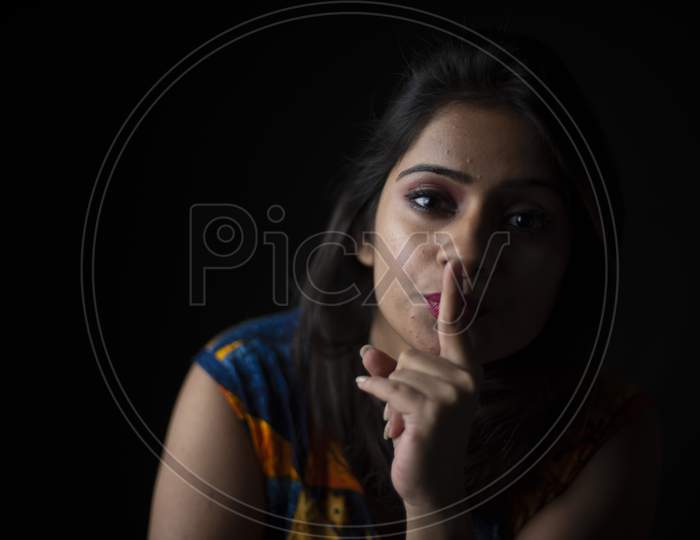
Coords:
pixel 522 393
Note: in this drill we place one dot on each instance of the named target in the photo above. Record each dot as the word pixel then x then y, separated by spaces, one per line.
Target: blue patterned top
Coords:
pixel 306 493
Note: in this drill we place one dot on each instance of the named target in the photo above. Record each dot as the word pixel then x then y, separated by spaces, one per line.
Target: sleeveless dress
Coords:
pixel 315 493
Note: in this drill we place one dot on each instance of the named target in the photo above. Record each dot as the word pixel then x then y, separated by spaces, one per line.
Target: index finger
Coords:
pixel 454 317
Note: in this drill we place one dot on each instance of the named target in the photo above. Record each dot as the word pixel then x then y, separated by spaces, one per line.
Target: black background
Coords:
pixel 267 121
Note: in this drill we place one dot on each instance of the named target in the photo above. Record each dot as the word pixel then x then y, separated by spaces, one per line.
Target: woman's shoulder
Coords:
pixel 254 347
pixel 273 329
pixel 314 487
pixel 251 361
pixel 613 402
pixel 616 401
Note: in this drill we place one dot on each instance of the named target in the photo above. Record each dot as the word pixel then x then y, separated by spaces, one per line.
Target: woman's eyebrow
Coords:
pixel 465 178
pixel 460 176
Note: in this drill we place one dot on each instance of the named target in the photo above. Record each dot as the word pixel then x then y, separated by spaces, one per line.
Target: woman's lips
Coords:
pixel 433 300
pixel 433 303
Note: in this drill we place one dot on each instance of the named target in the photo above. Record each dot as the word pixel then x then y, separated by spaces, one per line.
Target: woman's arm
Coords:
pixel 614 495
pixel 207 438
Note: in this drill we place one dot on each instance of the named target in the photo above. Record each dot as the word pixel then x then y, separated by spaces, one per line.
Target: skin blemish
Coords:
pixel 525 282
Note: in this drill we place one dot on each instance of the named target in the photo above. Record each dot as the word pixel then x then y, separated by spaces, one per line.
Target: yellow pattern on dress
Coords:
pixel 309 518
pixel 274 452
pixel 221 352
pixel 275 456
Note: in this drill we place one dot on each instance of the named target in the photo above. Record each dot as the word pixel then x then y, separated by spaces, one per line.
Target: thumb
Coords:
pixel 376 361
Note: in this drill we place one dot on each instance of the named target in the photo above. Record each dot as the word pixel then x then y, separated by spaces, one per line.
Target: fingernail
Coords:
pixel 361 378
pixel 385 414
pixel 386 431
pixel 364 349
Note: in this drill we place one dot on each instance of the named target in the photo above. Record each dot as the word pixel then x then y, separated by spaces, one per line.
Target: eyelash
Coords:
pixel 411 197
pixel 426 193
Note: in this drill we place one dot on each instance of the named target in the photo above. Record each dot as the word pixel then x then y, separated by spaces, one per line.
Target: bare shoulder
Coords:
pixel 208 458
pixel 614 495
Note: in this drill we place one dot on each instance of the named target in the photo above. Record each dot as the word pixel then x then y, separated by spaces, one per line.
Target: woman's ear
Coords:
pixel 366 254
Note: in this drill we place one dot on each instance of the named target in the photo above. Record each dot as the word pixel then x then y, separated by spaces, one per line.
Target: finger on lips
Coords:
pixel 452 332
pixel 408 386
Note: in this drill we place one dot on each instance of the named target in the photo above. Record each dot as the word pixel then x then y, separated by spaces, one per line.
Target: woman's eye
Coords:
pixel 528 221
pixel 430 201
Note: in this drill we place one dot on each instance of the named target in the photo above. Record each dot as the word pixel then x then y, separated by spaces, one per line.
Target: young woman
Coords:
pixel 464 262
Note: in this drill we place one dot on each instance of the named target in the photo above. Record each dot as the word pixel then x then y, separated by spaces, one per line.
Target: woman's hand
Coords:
pixel 436 398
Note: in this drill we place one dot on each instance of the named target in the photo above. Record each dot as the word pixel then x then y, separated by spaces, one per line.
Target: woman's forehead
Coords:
pixel 482 143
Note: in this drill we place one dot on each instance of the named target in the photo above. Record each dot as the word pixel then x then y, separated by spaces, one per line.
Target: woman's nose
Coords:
pixel 464 241
pixel 474 243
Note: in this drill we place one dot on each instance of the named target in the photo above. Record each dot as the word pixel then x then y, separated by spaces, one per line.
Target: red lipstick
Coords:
pixel 433 303
pixel 433 300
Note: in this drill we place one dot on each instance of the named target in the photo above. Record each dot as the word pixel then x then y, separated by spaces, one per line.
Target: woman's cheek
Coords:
pixel 534 262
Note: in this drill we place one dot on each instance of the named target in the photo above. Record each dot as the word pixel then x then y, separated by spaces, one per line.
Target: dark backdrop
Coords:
pixel 268 121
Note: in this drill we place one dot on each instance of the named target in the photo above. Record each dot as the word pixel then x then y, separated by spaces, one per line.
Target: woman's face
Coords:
pixel 426 218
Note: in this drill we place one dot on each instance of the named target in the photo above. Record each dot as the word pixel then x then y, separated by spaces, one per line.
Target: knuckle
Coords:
pixel 405 359
pixel 451 396
pixel 395 387
pixel 463 378
pixel 396 374
pixel 414 437
pixel 468 381
pixel 432 412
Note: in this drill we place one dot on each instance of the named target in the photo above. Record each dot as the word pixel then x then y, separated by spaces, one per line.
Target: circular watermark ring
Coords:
pixel 310 11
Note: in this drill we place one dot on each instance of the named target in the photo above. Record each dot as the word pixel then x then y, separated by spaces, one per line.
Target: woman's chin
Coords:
pixel 425 336
pixel 428 345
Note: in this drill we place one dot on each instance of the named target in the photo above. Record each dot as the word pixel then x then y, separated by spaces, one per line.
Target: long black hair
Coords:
pixel 521 393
